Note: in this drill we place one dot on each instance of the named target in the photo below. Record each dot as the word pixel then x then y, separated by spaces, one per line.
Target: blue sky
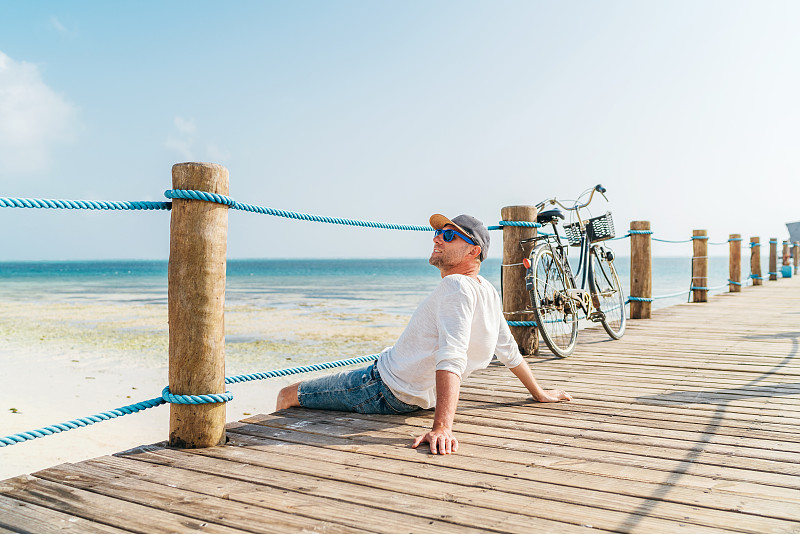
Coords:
pixel 688 112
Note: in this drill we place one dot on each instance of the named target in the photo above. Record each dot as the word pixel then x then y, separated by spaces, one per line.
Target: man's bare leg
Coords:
pixel 287 398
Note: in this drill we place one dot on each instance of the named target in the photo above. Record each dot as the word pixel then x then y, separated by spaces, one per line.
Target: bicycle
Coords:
pixel 555 298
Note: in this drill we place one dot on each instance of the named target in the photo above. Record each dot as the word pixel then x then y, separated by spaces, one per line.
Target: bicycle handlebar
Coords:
pixel 575 207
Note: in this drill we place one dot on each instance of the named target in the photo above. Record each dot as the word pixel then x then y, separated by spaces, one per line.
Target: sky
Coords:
pixel 686 111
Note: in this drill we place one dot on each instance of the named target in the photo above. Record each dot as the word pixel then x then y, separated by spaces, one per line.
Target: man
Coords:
pixel 456 330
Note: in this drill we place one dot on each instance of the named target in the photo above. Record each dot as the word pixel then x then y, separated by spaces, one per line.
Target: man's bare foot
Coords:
pixel 287 398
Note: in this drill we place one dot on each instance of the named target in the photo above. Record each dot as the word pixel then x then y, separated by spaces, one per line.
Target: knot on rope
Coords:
pixel 210 398
pixel 189 194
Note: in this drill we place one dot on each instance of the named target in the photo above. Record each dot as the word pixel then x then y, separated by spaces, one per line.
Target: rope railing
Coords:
pixel 167 397
pixel 188 194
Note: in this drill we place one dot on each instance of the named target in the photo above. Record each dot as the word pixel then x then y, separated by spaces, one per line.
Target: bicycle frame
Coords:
pixel 585 270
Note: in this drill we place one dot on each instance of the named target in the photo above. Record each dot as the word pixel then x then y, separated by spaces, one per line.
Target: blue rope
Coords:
pixel 167 397
pixel 210 398
pixel 81 204
pixel 521 323
pixel 228 201
pixel 699 237
pixel 752 244
pixel 756 277
pixel 671 295
pixel 190 194
pixel 640 232
pixel 299 370
pixel 734 239
pixel 670 241
pixel 78 423
pixel 733 282
pixel 640 299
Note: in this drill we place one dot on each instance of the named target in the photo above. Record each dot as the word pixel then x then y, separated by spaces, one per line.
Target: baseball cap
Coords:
pixel 467 224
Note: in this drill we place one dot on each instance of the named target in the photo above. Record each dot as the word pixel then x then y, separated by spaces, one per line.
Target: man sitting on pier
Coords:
pixel 456 330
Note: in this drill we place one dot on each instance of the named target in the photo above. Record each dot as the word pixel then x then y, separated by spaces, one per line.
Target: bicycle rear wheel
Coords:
pixel 607 293
pixel 556 314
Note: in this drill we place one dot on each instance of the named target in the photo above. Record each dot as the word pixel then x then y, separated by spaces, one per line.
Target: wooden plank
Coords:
pixel 19 516
pixel 275 510
pixel 397 507
pixel 690 461
pixel 597 492
pixel 477 458
pixel 491 509
pixel 101 509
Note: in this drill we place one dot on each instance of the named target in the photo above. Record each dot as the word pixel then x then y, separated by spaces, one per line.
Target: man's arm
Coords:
pixel 523 372
pixel 441 438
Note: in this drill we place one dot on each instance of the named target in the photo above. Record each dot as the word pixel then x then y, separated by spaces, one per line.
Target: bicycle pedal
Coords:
pixel 597 316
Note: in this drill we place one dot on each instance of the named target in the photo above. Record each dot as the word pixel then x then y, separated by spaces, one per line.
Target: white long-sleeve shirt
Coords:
pixel 458 328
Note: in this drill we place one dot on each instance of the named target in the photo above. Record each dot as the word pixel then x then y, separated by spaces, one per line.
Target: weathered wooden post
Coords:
pixel 773 258
pixel 515 297
pixel 735 263
pixel 641 270
pixel 755 261
pixel 700 266
pixel 197 257
pixel 796 249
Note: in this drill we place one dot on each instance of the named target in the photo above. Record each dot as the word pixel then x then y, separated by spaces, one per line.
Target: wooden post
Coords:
pixel 198 246
pixel 735 263
pixel 755 261
pixel 796 249
pixel 515 297
pixel 773 258
pixel 641 269
pixel 700 265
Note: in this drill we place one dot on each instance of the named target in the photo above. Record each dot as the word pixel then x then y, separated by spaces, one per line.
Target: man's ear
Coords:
pixel 475 251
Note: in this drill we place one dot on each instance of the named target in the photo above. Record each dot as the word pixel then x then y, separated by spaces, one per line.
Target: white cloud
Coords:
pixel 33 118
pixel 55 23
pixel 185 143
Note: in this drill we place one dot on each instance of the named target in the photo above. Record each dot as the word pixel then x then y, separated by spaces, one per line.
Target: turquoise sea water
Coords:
pixel 393 285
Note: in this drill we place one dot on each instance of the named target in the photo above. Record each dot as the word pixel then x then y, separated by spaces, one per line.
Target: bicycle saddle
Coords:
pixel 549 215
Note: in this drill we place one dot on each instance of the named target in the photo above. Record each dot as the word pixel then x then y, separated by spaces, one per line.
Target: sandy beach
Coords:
pixel 64 360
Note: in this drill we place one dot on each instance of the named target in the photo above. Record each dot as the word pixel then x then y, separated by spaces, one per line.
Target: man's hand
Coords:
pixel 523 372
pixel 442 441
pixel 553 395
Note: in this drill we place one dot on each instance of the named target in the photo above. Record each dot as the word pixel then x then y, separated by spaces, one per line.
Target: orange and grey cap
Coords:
pixel 468 225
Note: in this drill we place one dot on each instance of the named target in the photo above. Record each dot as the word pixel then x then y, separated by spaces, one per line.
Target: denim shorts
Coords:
pixel 361 390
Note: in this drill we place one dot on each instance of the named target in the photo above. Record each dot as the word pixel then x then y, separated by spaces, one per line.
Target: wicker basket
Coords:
pixel 597 229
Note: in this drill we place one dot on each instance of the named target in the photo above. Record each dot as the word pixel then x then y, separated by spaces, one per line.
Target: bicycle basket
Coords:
pixel 597 229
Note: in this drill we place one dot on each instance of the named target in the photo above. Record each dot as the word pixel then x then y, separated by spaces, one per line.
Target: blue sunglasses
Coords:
pixel 448 234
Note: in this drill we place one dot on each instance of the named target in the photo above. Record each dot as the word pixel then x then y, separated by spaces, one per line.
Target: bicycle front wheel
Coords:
pixel 607 293
pixel 555 312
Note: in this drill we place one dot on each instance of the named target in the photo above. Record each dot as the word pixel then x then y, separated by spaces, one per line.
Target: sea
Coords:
pixel 393 285
pixel 390 285
pixel 353 286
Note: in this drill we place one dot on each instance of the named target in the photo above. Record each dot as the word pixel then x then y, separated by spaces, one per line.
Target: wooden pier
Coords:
pixel 690 423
